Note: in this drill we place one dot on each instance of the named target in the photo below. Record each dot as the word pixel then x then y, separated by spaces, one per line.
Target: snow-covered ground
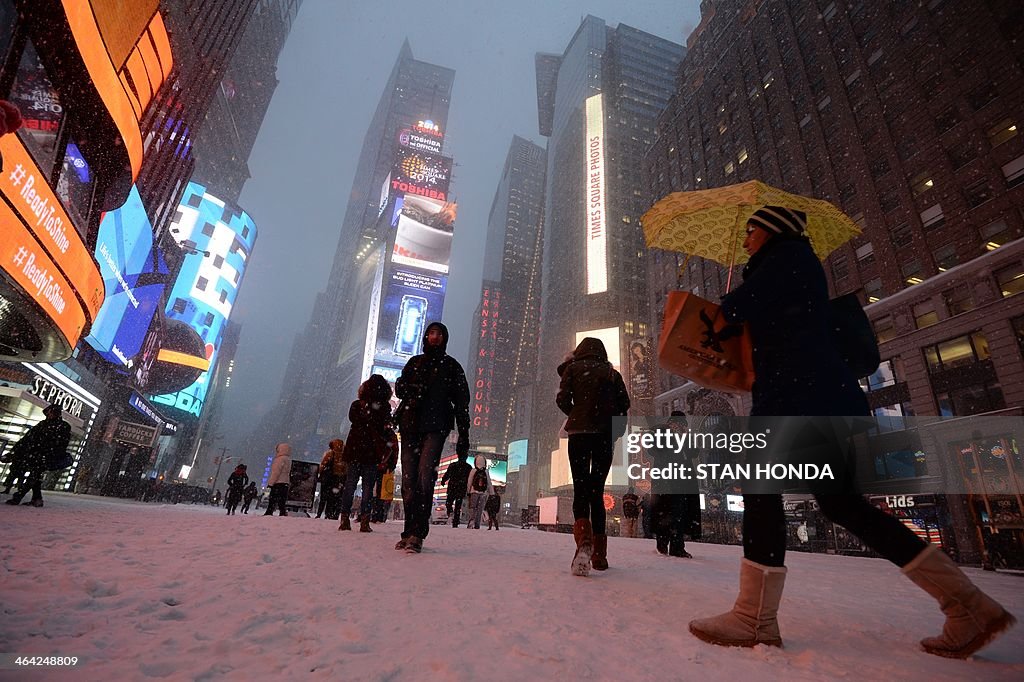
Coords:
pixel 181 592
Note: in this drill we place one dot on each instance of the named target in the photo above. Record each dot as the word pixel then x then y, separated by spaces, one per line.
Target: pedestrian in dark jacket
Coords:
pixel 367 447
pixel 332 479
pixel 37 450
pixel 456 477
pixel 248 496
pixel 435 397
pixel 799 372
pixel 236 486
pixel 675 505
pixel 493 509
pixel 591 393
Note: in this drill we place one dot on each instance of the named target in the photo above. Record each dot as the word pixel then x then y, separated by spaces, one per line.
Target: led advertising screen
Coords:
pixel 517 454
pixel 425 231
pixel 134 277
pixel 596 222
pixel 410 302
pixel 423 137
pixel 218 239
pixel 419 173
pixel 609 337
pixel 497 467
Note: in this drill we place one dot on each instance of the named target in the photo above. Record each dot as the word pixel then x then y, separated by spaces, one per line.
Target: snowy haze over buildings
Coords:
pixel 332 72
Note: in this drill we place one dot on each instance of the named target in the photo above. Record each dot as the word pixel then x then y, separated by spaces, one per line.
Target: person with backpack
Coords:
pixel 435 397
pixel 479 486
pixel 590 394
pixel 368 447
pixel 493 509
pixel 280 478
pixel 456 477
pixel 630 513
pixel 332 478
pixel 800 372
pixel 236 486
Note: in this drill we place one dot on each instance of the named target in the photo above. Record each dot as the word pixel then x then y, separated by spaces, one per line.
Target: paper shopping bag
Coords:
pixel 387 486
pixel 697 344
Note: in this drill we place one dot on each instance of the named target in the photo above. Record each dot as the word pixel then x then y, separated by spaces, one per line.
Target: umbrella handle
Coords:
pixel 682 268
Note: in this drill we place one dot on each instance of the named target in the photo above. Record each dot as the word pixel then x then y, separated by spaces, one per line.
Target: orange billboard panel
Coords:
pixel 26 189
pixel 25 261
pixel 121 23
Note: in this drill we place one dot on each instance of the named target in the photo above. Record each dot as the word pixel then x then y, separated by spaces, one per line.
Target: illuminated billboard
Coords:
pixel 609 337
pixel 425 231
pixel 497 467
pixel 411 300
pixel 134 277
pixel 424 171
pixel 218 239
pixel 640 370
pixel 596 221
pixel 517 454
pixel 487 341
pixel 423 137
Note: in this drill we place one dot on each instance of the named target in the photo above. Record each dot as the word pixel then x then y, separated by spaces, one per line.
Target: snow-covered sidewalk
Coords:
pixel 184 592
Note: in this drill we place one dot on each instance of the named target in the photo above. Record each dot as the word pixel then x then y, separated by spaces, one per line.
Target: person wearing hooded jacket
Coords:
pixel 280 475
pixel 480 488
pixel 332 479
pixel 591 393
pixel 236 486
pixel 435 397
pixel 799 372
pixel 365 452
pixel 456 476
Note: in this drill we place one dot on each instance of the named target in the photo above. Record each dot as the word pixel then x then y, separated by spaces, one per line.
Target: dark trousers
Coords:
pixel 764 528
pixel 233 501
pixel 278 498
pixel 246 501
pixel 16 473
pixel 668 521
pixel 33 480
pixel 454 505
pixel 367 472
pixel 590 459
pixel 329 499
pixel 421 455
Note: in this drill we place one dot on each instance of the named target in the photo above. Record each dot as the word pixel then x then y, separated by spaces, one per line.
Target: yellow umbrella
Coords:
pixel 711 223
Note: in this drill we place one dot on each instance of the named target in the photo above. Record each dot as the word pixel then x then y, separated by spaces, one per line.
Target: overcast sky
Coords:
pixel 332 73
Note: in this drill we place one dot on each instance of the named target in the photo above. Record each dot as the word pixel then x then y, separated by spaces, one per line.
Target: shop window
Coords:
pixel 865 254
pixel 885 328
pixel 959 300
pixel 1002 131
pixel 1010 280
pixel 945 257
pixel 933 217
pixel 40 108
pixel 995 234
pixel 925 315
pixel 1014 172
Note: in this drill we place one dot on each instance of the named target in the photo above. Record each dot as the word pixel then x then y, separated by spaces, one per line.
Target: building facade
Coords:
pixel 905 116
pixel 598 103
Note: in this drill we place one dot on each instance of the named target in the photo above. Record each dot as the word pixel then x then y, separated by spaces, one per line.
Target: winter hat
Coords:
pixel 10 117
pixel 779 220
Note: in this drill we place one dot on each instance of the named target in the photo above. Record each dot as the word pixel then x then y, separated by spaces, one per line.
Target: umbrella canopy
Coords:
pixel 711 223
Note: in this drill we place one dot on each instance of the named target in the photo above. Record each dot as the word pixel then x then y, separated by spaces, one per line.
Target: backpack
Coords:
pixel 480 482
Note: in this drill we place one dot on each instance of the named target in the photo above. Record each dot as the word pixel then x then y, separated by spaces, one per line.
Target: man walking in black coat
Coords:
pixel 435 397
pixel 456 477
pixel 40 447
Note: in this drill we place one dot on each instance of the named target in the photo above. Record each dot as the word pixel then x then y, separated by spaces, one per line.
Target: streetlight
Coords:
pixel 220 460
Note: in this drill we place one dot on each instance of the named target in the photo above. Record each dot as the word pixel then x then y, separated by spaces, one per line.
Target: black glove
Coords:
pixel 462 446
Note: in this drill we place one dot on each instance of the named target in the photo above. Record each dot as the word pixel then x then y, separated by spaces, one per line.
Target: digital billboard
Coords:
pixel 424 171
pixel 425 136
pixel 497 467
pixel 517 454
pixel 609 337
pixel 640 370
pixel 425 231
pixel 596 221
pixel 218 239
pixel 411 300
pixel 134 277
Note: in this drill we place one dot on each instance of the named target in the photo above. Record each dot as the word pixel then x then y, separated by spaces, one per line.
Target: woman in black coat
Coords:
pixel 367 446
pixel 591 393
pixel 800 373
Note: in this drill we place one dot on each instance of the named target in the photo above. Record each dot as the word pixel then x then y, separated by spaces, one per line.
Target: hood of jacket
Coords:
pixel 376 389
pixel 480 462
pixel 438 350
pixel 589 349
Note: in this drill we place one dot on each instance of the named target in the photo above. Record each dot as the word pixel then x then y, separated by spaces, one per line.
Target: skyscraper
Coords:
pixel 401 157
pixel 598 102
pixel 503 350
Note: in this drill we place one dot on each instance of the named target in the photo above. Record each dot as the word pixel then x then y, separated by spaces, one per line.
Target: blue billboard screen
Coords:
pixel 410 302
pixel 134 277
pixel 517 454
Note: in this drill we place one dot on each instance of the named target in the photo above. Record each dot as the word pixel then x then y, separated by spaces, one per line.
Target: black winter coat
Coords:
pixel 433 391
pixel 457 478
pixel 798 370
pixel 493 504
pixel 43 442
pixel 591 391
pixel 369 434
pixel 236 483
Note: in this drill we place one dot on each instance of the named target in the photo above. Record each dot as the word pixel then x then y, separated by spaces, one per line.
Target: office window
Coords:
pixel 945 257
pixel 901 235
pixel 865 254
pixel 921 183
pixel 961 351
pixel 959 300
pixel 925 315
pixel 885 328
pixel 982 95
pixel 1010 280
pixel 840 267
pixel 1002 131
pixel 873 290
pixel 911 271
pixel 1014 172
pixel 977 193
pixel 947 120
pixel 933 217
pixel 972 399
pixel 995 234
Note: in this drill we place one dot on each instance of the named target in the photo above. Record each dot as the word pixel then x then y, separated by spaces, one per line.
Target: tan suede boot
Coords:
pixel 752 620
pixel 973 619
pixel 584 535
pixel 599 559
